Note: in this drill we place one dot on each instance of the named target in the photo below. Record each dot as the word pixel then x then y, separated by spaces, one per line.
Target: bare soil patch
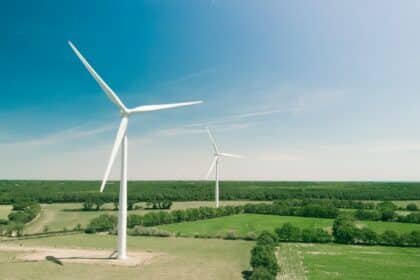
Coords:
pixel 85 256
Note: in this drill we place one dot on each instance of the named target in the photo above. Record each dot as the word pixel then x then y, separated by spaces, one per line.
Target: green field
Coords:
pixel 56 216
pixel 333 261
pixel 244 223
pixel 4 211
pixel 182 259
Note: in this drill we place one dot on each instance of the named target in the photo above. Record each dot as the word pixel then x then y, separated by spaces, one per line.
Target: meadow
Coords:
pixel 182 259
pixel 334 261
pixel 57 216
pixel 245 223
pixel 207 258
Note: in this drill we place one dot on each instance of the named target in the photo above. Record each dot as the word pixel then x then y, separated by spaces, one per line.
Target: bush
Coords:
pixel 390 237
pixel 102 223
pixel 150 231
pixel 4 221
pixel 263 256
pixel 251 236
pixel 29 212
pixel 230 235
pixel 412 207
pixel 344 230
pixel 288 232
pixel 317 235
pixel 261 273
pixel 368 236
pixel 372 215
pixel 266 238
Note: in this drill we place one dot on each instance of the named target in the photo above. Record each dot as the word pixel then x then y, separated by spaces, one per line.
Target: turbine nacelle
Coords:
pixel 125 113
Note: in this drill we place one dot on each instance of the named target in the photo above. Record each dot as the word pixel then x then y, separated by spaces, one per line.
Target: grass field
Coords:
pixel 56 216
pixel 4 211
pixel 333 261
pixel 183 259
pixel 244 223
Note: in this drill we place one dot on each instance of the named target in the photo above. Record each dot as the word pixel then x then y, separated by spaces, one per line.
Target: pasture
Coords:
pixel 246 223
pixel 57 216
pixel 333 261
pixel 182 259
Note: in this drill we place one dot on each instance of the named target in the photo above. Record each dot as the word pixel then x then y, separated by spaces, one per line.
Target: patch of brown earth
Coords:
pixel 85 256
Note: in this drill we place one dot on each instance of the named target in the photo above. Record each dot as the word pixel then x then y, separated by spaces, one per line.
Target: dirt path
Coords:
pixel 37 226
pixel 80 255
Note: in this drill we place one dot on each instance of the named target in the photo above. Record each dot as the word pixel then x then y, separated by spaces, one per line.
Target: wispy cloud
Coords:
pixel 376 147
pixel 62 136
pixel 191 76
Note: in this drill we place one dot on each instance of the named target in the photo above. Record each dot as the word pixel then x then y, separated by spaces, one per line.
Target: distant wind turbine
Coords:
pixel 121 140
pixel 215 163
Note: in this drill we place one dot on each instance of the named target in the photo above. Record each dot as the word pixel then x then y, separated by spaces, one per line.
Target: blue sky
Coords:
pixel 319 90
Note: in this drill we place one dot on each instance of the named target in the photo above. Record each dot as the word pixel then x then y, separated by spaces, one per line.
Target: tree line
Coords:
pixel 79 191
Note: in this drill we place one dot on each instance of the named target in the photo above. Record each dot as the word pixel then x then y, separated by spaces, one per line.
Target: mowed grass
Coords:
pixel 182 259
pixel 59 215
pixel 333 261
pixel 245 223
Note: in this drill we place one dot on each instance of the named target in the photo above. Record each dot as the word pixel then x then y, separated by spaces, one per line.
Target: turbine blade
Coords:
pixel 216 150
pixel 118 140
pixel 108 91
pixel 213 163
pixel 230 155
pixel 148 108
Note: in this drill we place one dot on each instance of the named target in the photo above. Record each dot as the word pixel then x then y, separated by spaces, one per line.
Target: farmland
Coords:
pixel 215 259
pixel 326 261
pixel 57 216
pixel 246 223
pixel 197 244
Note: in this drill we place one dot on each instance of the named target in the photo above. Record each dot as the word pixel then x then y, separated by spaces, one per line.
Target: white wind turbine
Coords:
pixel 215 163
pixel 121 140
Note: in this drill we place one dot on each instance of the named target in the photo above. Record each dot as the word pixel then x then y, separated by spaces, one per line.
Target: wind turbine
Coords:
pixel 215 163
pixel 121 140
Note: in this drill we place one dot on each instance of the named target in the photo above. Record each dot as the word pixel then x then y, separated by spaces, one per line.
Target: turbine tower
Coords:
pixel 121 141
pixel 215 163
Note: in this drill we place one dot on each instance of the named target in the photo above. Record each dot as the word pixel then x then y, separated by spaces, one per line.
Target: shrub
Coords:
pixel 4 221
pixel 344 230
pixel 261 273
pixel 387 205
pixel 412 207
pixel 88 204
pixel 230 235
pixel 266 238
pixel 102 223
pixel 368 236
pixel 263 256
pixel 390 237
pixel 362 214
pixel 317 235
pixel 251 236
pixel 150 231
pixel 288 232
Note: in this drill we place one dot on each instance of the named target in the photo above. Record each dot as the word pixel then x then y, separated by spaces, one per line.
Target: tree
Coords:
pixel 344 230
pixel 88 204
pixel 368 236
pixel 266 238
pixel 412 207
pixel 288 232
pixel 263 256
pixel 104 222
pixel 390 237
pixel 98 201
pixel 261 273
